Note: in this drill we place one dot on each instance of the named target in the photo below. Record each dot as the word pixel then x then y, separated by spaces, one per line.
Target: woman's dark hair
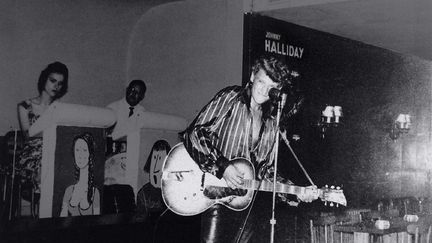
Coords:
pixel 55 67
pixel 279 72
pixel 88 138
pixel 157 146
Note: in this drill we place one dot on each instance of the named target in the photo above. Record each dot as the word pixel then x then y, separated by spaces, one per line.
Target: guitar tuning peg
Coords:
pixel 326 186
pixel 332 187
pixel 337 205
pixel 331 204
pixel 338 188
pixel 325 203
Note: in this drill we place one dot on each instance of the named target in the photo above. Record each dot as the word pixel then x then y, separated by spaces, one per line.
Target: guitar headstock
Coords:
pixel 333 195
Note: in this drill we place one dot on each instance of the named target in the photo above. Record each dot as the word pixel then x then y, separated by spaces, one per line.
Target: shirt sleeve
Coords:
pixel 201 136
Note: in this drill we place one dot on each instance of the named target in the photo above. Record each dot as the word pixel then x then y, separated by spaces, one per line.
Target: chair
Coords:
pixel 421 231
pixel 322 230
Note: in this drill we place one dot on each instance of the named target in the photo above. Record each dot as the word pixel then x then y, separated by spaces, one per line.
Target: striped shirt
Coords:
pixel 223 131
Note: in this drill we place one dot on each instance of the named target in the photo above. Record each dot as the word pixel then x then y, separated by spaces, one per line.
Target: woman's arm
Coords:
pixel 64 210
pixel 66 197
pixel 96 202
pixel 23 119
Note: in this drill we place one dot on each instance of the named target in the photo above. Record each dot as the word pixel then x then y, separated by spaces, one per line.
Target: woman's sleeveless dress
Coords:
pixel 29 165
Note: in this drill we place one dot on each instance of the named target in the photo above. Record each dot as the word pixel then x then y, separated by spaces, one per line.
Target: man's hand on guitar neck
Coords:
pixel 310 194
pixel 233 177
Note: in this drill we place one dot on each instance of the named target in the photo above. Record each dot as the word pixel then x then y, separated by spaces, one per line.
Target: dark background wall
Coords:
pixel 373 86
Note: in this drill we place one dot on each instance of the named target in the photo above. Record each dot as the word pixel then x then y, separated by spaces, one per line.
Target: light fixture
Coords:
pixel 330 117
pixel 401 125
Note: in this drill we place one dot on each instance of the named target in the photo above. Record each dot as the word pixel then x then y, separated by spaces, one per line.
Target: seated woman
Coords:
pixel 82 198
pixel 52 85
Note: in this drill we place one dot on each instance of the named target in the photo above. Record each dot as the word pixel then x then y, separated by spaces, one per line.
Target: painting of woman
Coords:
pixel 82 198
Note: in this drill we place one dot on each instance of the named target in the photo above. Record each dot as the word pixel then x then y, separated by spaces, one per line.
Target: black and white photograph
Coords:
pixel 243 121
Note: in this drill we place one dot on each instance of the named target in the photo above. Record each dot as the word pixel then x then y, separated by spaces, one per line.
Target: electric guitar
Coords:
pixel 187 191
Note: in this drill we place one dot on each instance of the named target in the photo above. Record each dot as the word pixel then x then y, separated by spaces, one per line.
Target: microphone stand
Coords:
pixel 296 158
pixel 13 176
pixel 281 103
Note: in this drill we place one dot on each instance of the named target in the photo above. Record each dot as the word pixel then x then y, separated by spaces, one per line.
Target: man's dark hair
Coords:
pixel 276 69
pixel 279 72
pixel 139 83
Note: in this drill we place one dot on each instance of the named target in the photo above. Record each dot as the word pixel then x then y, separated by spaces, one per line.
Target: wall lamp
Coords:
pixel 401 125
pixel 330 117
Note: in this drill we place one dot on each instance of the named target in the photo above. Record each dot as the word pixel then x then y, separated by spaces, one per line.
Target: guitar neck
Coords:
pixel 280 187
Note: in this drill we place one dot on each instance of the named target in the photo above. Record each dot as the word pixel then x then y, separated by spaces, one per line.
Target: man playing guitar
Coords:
pixel 239 122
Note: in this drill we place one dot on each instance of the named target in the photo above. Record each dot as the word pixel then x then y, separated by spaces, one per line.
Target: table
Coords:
pixel 399 231
pixel 367 232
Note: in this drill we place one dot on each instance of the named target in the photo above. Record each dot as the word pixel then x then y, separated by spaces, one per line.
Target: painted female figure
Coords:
pixel 83 197
pixel 149 198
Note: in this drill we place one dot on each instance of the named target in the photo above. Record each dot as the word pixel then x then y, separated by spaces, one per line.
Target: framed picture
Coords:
pixel 78 171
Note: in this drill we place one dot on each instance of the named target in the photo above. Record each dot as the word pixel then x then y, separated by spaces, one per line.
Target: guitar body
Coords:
pixel 184 184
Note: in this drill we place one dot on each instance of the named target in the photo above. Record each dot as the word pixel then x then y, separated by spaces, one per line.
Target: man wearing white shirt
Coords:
pixel 128 110
pixel 126 131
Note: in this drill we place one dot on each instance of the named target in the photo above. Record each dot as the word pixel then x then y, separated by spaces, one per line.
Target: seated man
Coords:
pixel 128 110
pixel 120 196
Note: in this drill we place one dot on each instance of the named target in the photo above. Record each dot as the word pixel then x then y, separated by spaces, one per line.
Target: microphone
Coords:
pixel 277 95
pixel 284 99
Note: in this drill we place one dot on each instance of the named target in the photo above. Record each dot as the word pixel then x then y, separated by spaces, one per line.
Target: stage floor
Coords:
pixel 103 228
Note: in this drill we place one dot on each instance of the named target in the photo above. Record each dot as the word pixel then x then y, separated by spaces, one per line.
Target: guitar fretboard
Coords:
pixel 268 187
